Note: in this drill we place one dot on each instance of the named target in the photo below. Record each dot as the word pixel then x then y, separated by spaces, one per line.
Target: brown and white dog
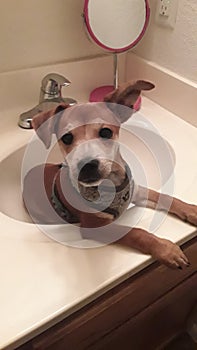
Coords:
pixel 79 191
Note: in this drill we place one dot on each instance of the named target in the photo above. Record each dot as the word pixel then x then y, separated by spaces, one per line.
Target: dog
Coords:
pixel 94 185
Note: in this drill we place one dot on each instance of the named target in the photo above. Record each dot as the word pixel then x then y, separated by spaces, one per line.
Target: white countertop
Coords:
pixel 43 281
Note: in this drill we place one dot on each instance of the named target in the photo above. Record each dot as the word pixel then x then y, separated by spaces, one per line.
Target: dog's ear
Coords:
pixel 44 123
pixel 126 95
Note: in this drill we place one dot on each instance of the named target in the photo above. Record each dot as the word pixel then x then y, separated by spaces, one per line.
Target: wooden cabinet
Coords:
pixel 141 313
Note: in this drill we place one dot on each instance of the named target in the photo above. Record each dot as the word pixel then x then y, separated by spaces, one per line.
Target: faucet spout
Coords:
pixel 50 96
pixel 51 86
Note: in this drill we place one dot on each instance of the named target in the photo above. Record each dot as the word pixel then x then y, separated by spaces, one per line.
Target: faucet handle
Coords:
pixel 52 84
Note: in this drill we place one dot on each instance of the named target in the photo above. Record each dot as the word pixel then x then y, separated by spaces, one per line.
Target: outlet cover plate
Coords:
pixel 166 17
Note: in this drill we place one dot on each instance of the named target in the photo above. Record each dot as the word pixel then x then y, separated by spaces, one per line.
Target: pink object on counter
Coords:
pixel 137 104
pixel 98 94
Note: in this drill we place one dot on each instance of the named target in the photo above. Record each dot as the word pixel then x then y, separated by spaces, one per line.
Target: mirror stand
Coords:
pixel 98 94
pixel 116 75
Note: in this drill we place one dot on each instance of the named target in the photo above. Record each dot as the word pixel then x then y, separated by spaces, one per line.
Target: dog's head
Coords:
pixel 88 133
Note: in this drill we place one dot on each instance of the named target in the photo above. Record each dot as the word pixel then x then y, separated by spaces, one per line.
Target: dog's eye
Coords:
pixel 67 139
pixel 106 133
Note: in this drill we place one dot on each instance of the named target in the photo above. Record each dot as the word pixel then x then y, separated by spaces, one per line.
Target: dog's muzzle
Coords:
pixel 88 171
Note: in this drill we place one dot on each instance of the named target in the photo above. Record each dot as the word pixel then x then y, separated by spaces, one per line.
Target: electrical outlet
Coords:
pixel 166 13
pixel 164 8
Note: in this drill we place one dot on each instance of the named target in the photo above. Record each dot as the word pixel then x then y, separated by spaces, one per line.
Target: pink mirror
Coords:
pixel 116 26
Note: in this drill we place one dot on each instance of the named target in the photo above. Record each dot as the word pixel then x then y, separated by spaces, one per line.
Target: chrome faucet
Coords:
pixel 50 96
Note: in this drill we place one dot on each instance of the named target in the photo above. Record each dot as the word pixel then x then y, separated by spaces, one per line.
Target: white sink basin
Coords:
pixel 150 157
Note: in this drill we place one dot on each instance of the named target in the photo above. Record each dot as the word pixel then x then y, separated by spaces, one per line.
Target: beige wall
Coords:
pixel 175 49
pixel 40 32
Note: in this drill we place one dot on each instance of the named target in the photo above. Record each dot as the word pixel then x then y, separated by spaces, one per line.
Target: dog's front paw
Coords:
pixel 186 212
pixel 170 254
pixel 189 212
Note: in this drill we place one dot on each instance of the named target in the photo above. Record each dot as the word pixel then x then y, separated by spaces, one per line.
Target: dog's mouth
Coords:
pixel 92 183
pixel 89 174
pixel 92 179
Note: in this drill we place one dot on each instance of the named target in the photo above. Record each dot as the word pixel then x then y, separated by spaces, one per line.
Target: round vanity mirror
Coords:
pixel 116 25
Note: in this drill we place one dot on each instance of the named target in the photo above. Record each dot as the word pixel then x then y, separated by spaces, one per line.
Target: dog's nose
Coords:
pixel 91 164
pixel 88 170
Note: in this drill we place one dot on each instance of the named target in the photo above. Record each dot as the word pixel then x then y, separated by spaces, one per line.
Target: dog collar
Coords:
pixel 59 207
pixel 121 200
pixel 101 200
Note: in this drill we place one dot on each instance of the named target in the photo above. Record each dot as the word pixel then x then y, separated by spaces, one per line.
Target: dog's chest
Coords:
pixel 109 199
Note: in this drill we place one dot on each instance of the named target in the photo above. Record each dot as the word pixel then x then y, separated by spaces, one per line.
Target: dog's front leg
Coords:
pixel 151 199
pixel 107 232
pixel 161 249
